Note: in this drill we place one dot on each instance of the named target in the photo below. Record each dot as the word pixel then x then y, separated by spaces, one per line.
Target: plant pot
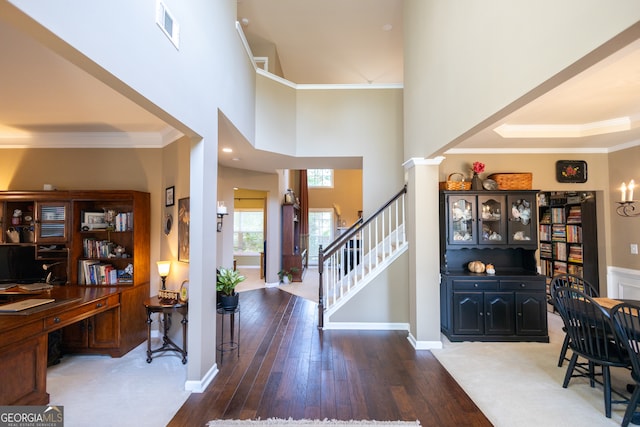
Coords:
pixel 285 280
pixel 229 302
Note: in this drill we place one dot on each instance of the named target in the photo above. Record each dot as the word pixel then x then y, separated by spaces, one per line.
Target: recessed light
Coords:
pixel 236 159
pixel 387 27
pixel 227 150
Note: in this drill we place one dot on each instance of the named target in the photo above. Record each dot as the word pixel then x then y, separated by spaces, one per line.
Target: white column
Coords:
pixel 423 231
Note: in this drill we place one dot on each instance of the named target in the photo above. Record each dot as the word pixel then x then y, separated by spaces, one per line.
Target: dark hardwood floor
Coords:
pixel 289 368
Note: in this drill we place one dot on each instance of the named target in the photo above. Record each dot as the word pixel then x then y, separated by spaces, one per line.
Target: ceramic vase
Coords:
pixel 476 182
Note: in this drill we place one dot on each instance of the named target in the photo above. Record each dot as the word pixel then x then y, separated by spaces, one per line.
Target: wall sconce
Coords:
pixel 221 212
pixel 626 205
pixel 163 271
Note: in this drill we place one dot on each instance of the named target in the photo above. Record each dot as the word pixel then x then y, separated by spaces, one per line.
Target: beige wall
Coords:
pixel 624 165
pixel 175 172
pixel 346 193
pixel 91 169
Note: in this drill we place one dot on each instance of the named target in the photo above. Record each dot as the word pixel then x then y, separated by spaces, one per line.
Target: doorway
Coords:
pixel 249 228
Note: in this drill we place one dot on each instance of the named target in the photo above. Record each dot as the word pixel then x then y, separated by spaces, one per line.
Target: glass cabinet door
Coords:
pixel 522 219
pixel 52 222
pixel 462 220
pixel 492 220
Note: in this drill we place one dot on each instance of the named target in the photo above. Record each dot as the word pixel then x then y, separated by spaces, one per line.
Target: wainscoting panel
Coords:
pixel 623 283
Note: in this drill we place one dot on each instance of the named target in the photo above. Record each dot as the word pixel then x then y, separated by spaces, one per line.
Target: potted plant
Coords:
pixel 226 281
pixel 286 276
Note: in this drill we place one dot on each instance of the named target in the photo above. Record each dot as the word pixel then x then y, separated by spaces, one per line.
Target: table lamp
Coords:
pixel 163 271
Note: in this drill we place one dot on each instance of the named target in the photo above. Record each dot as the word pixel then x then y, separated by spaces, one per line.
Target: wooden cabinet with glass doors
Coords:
pixel 498 228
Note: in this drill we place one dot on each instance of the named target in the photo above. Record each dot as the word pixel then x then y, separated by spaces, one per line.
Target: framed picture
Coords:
pixel 574 171
pixel 169 196
pixel 183 230
pixel 93 220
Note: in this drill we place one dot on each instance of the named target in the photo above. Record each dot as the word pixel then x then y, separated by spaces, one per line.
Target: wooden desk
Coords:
pixel 23 335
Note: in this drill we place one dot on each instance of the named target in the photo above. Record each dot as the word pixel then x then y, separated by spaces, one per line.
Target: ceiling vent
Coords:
pixel 168 25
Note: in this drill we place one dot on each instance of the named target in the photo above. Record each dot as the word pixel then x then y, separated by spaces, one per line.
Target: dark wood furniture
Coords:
pixel 294 256
pixel 167 308
pixel 499 228
pixel 97 319
pixel 233 343
pixel 568 235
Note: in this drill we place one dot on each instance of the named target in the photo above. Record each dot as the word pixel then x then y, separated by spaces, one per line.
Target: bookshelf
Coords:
pixel 88 239
pixel 568 235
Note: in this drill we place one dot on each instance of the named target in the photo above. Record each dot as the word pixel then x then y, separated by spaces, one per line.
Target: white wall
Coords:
pixel 185 87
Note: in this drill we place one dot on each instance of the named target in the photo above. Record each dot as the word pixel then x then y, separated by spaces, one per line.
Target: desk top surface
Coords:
pixel 65 297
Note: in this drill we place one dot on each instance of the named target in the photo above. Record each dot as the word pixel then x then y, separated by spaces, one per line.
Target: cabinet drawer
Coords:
pixel 470 285
pixel 526 284
pixel 82 312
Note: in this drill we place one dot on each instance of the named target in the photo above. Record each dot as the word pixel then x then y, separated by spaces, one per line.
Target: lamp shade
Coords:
pixel 163 268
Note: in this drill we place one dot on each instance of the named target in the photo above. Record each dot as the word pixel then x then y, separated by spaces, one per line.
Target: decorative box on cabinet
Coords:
pixel 500 228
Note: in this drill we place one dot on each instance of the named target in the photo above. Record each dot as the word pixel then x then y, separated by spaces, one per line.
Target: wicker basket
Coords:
pixel 455 185
pixel 512 181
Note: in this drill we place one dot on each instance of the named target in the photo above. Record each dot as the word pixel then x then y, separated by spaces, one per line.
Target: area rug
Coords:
pixel 276 422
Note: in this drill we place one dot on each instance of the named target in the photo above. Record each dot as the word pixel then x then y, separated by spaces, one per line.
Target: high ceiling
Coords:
pixel 316 41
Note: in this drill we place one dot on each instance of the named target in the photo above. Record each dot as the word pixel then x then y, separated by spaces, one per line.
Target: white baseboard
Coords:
pixel 424 345
pixel 623 283
pixel 201 385
pixel 365 326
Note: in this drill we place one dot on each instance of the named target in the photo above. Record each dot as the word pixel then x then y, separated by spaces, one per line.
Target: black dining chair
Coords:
pixel 626 321
pixel 591 336
pixel 569 280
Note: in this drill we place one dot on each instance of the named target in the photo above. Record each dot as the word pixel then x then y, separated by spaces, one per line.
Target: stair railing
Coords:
pixel 357 251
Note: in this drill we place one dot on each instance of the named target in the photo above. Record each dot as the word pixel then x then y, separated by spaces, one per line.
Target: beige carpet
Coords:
pixel 520 384
pixel 276 422
pixel 307 289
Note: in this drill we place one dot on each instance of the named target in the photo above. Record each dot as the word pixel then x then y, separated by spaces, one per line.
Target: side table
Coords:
pixel 234 342
pixel 156 305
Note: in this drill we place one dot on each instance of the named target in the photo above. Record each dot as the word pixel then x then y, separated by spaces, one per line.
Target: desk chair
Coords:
pixel 591 336
pixel 626 321
pixel 569 280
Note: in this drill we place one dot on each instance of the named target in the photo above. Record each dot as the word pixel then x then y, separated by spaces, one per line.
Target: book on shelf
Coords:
pixel 546 250
pixel 93 272
pixel 545 232
pixel 559 267
pixel 575 253
pixel 558 232
pixel 575 270
pixel 558 215
pixel 575 215
pixel 123 221
pixel 560 251
pixel 574 234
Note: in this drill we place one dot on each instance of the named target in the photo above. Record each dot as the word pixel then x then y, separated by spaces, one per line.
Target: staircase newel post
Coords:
pixel 320 288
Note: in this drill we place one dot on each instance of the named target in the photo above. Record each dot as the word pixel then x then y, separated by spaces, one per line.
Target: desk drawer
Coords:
pixel 82 312
pixel 523 285
pixel 474 285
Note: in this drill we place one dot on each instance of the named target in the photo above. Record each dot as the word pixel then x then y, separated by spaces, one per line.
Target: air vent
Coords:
pixel 168 25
